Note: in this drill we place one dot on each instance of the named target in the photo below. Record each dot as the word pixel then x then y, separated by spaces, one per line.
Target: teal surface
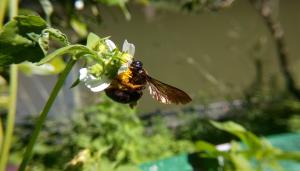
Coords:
pixel 286 142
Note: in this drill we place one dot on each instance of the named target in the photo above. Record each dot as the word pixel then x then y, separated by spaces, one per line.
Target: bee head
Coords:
pixel 137 65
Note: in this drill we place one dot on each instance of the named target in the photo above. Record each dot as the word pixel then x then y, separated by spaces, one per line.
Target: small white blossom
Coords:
pixel 96 84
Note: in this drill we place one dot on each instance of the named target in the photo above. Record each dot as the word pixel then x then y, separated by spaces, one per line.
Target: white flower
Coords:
pixel 93 83
pixel 101 83
pixel 110 44
pixel 128 50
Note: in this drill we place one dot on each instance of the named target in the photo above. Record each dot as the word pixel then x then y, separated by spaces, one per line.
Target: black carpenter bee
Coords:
pixel 128 87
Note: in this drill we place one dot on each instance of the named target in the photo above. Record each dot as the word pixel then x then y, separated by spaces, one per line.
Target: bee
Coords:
pixel 128 87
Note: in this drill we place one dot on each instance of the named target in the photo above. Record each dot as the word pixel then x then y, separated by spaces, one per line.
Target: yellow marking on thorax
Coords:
pixel 124 79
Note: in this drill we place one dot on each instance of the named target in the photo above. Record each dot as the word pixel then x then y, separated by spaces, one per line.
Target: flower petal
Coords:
pixel 83 72
pixel 93 83
pixel 128 48
pixel 101 86
pixel 110 44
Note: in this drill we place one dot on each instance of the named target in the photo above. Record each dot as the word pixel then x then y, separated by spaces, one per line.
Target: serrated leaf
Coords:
pixel 16 44
pixel 56 35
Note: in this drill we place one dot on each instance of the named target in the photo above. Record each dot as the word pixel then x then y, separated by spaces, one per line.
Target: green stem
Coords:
pixel 3 6
pixel 13 86
pixel 1 134
pixel 13 8
pixel 43 115
pixel 11 116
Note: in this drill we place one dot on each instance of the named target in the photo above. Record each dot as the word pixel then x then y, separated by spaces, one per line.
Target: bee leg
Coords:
pixel 132 104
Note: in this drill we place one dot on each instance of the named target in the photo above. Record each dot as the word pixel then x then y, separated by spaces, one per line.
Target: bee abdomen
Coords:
pixel 123 96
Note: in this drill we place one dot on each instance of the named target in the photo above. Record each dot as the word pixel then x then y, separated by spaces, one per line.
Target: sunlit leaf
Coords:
pixel 16 44
pixel 228 126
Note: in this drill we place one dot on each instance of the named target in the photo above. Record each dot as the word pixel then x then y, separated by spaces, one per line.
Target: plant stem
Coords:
pixel 11 116
pixel 1 134
pixel 43 115
pixel 13 87
pixel 3 5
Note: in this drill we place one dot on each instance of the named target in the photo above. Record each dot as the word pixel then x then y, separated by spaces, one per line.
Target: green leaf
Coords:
pixel 205 146
pixel 209 149
pixel 240 162
pixel 293 155
pixel 76 82
pixel 247 137
pixel 228 126
pixel 57 35
pixel 92 41
pixel 17 44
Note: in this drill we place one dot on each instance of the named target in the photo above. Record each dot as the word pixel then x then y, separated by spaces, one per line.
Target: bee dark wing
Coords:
pixel 165 93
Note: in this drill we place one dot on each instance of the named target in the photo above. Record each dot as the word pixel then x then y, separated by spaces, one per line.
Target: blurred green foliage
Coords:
pixel 255 154
pixel 107 132
pixel 262 112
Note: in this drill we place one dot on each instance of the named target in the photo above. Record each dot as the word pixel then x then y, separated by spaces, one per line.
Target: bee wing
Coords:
pixel 165 93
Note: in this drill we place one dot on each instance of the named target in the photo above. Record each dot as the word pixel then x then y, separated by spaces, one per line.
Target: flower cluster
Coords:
pixel 99 76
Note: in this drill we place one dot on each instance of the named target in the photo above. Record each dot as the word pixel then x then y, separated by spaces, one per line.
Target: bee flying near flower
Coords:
pixel 131 79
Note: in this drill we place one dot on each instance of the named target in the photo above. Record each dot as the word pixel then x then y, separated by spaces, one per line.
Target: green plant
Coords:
pixel 107 132
pixel 26 38
pixel 254 154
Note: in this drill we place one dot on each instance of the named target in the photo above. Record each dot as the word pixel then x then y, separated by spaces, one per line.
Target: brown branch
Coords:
pixel 277 33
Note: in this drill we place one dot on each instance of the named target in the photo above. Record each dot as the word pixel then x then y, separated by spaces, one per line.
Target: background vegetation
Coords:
pixel 102 135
